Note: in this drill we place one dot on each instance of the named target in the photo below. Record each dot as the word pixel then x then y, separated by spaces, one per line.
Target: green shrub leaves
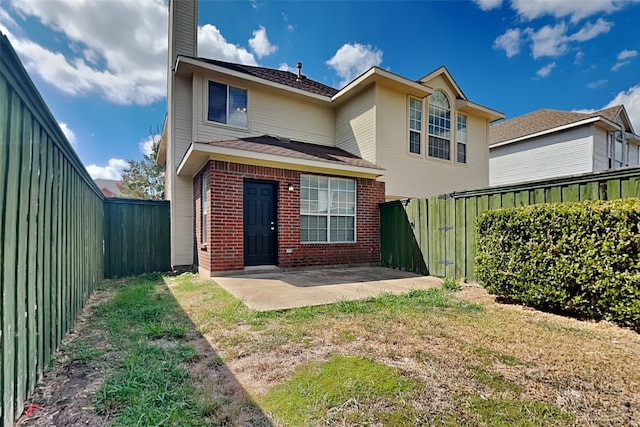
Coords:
pixel 582 258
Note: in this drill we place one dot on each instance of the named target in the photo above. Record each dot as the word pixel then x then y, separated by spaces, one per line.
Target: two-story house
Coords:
pixel 268 167
pixel 552 143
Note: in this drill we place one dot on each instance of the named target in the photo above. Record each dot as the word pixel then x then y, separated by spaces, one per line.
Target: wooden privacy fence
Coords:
pixel 136 237
pixel 52 235
pixel 437 235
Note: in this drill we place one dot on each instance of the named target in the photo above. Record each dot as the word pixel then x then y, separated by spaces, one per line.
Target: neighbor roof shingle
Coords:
pixel 542 120
pixel 278 76
pixel 295 149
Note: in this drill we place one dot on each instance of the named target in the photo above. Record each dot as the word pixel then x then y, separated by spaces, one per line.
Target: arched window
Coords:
pixel 439 126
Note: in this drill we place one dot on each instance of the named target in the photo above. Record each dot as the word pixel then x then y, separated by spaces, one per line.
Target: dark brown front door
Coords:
pixel 260 227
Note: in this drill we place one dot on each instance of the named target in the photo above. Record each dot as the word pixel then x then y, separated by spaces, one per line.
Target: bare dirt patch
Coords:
pixel 65 395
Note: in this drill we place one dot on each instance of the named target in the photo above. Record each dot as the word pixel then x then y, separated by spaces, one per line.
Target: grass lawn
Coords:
pixel 181 351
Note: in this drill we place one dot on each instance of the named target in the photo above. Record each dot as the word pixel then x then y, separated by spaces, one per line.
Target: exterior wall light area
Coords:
pixel 290 187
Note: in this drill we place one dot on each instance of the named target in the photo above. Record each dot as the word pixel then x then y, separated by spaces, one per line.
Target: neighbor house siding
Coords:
pixel 269 113
pixel 600 155
pixel 409 175
pixel 563 153
pixel 225 249
pixel 356 125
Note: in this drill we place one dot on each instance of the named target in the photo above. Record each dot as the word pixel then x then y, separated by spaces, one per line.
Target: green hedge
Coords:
pixel 582 258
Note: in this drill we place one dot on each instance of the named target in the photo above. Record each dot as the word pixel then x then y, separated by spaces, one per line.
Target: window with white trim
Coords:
pixel 461 139
pixel 618 150
pixel 415 125
pixel 204 208
pixel 327 209
pixel 227 105
pixel 439 126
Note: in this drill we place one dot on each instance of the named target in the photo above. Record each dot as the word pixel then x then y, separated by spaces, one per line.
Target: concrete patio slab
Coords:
pixel 302 288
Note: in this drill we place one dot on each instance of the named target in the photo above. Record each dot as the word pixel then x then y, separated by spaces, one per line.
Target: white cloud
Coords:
pixel 578 58
pixel 113 170
pixel 71 137
pixel 577 10
pixel 290 26
pixel 146 144
pixel 488 4
pixel 352 60
pixel 548 40
pixel 624 58
pixel 211 44
pixel 596 84
pixel 627 54
pixel 631 100
pixel 591 31
pixel 260 44
pixel 285 67
pixel 546 70
pixel 134 55
pixel 509 41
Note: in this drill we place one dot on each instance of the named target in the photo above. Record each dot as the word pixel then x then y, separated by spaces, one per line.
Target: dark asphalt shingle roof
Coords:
pixel 295 149
pixel 542 120
pixel 278 76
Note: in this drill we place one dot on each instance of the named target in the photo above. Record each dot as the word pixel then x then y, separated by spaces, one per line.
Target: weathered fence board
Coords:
pixel 45 275
pixel 446 240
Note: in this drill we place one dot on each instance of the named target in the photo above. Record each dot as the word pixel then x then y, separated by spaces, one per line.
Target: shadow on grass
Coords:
pixel 135 358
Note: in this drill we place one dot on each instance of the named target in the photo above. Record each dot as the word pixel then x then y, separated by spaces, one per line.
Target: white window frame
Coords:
pixel 462 137
pixel 415 130
pixel 435 128
pixel 227 109
pixel 614 138
pixel 204 207
pixel 332 184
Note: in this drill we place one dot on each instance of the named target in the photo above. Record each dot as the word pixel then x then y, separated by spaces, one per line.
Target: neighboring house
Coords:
pixel 109 187
pixel 268 167
pixel 551 143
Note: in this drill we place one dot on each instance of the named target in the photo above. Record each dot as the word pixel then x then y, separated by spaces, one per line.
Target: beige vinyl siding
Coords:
pixel 269 113
pixel 419 176
pixel 356 125
pixel 560 154
pixel 183 118
pixel 185 31
pixel 182 210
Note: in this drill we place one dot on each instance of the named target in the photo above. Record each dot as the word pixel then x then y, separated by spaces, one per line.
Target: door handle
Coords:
pixel 273 228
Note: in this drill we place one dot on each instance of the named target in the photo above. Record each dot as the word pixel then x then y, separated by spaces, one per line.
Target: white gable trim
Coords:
pixel 608 124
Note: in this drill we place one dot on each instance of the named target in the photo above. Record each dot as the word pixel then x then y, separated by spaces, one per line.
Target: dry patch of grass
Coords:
pixel 475 361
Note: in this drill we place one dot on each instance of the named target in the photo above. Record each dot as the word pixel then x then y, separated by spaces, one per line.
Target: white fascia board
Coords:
pixel 198 153
pixel 548 131
pixel 222 70
pixel 490 114
pixel 378 74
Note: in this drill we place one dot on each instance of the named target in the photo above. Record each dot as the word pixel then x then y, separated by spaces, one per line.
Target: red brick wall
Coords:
pixel 224 249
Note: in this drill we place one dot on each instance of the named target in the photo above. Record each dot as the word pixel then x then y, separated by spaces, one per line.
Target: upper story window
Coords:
pixel 228 105
pixel 415 125
pixel 618 150
pixel 461 138
pixel 327 209
pixel 439 126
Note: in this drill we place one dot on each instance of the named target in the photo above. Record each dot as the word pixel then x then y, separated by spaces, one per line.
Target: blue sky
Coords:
pixel 101 65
